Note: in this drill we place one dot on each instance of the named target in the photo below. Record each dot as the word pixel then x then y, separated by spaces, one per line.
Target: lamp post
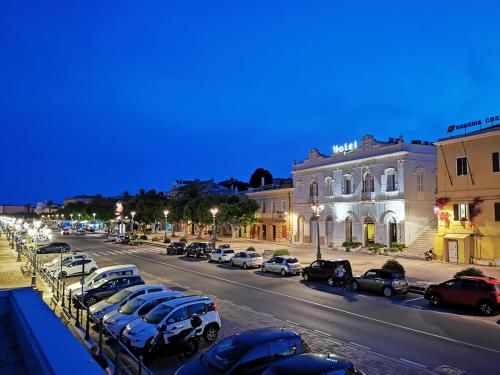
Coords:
pixel 318 209
pixel 165 213
pixel 62 221
pixel 131 223
pixel 214 211
pixel 36 225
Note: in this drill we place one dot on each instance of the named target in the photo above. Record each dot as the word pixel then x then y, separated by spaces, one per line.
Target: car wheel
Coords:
pixel 62 275
pixel 486 308
pixel 283 272
pixel 90 301
pixel 245 266
pixel 231 263
pixel 211 333
pixel 434 299
pixel 354 286
pixel 330 281
pixel 387 291
pixel 305 276
pixel 220 260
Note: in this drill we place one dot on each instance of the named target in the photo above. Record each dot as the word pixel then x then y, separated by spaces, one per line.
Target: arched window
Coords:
pixel 368 183
pixel 347 187
pixel 420 172
pixel 329 186
pixel 313 189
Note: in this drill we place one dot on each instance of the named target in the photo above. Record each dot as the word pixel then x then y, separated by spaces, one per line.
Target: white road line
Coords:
pixel 413 299
pixel 289 321
pixel 266 314
pixel 321 332
pixel 322 305
pixel 359 345
pixel 245 307
pixel 412 363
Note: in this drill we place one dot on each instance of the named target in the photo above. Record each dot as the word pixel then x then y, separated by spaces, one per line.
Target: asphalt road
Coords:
pixel 403 327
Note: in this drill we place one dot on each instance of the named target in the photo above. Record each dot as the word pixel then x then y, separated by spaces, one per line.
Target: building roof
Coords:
pixel 491 129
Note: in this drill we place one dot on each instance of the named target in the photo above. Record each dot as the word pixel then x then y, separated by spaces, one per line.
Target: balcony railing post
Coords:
pixel 63 293
pixel 87 325
pixel 100 334
pixel 78 308
pixel 117 357
pixel 70 303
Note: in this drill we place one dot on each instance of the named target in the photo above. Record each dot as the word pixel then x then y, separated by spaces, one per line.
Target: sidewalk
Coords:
pixel 10 270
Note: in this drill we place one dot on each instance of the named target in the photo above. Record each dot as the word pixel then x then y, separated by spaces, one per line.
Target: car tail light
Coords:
pixel 308 349
pixel 213 306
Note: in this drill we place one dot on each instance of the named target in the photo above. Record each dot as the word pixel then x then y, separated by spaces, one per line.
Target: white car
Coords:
pixel 221 255
pixel 124 296
pixel 282 264
pixel 246 259
pixel 66 258
pixel 175 315
pixel 75 267
pixel 116 320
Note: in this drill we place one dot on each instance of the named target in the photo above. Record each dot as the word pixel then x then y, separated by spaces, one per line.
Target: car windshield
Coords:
pixel 156 315
pixel 292 260
pixel 396 276
pixel 228 251
pixel 224 355
pixel 99 282
pixel 117 297
pixel 131 306
pixel 254 255
pixel 91 277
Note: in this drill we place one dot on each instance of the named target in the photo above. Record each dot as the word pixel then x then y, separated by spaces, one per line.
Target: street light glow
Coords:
pixel 214 211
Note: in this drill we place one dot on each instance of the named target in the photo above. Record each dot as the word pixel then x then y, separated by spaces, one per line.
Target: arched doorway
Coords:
pixel 300 229
pixel 393 231
pixel 369 226
pixel 329 230
pixel 313 228
pixel 348 230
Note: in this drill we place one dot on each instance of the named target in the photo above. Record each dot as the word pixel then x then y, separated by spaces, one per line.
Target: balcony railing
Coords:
pixel 367 196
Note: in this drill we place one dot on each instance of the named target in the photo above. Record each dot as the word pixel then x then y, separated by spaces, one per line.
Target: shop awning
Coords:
pixel 456 236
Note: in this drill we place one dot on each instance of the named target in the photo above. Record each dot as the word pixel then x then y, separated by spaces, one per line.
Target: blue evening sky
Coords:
pixel 108 96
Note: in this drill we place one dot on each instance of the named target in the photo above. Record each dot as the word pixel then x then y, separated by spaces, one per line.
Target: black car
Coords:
pixel 313 364
pixel 176 248
pixel 250 352
pixel 326 270
pixel 54 247
pixel 107 287
pixel 198 249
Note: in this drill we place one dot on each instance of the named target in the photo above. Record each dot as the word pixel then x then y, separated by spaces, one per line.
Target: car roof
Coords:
pixel 284 256
pixel 182 300
pixel 309 362
pixel 249 252
pixel 135 288
pixel 154 295
pixel 487 279
pixel 119 267
pixel 262 335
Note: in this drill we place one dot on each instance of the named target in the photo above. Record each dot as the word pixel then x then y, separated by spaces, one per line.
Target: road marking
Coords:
pixel 266 314
pixel 321 332
pixel 321 305
pixel 412 363
pixel 413 299
pixel 245 307
pixel 289 321
pixel 359 345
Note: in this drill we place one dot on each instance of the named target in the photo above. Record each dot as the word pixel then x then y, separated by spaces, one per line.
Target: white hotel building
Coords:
pixel 372 191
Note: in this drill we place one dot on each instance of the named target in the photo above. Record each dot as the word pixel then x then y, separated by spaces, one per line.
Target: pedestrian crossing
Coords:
pixel 107 253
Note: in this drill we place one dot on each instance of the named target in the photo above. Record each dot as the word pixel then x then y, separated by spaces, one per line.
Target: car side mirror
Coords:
pixel 170 321
pixel 163 327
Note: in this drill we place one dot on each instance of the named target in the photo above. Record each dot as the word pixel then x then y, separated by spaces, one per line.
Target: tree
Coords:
pixel 198 211
pixel 256 178
pixel 237 212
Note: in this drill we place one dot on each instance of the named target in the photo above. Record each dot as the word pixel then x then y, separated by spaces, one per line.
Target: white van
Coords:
pixel 101 273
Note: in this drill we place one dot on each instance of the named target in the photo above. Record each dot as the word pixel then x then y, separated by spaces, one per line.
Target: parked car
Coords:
pixel 175 314
pixel 116 321
pixel 283 264
pixel 81 232
pixel 75 267
pixel 381 280
pixel 176 248
pixel 246 259
pixel 250 352
pixel 221 255
pixel 121 298
pixel 198 249
pixel 66 231
pixel 54 263
pixel 54 247
pixel 313 364
pixel 102 273
pixel 483 293
pixel 325 270
pixel 112 237
pixel 122 238
pixel 105 288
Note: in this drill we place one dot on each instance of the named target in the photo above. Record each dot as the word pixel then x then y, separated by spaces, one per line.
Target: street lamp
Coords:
pixel 36 225
pixel 94 216
pixel 165 213
pixel 214 211
pixel 131 223
pixel 318 209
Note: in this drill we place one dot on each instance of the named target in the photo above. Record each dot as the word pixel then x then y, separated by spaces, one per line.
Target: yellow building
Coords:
pixel 468 197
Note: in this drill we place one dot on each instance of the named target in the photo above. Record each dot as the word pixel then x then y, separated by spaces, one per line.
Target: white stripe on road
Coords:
pixel 321 332
pixel 359 345
pixel 289 321
pixel 321 305
pixel 413 299
pixel 412 363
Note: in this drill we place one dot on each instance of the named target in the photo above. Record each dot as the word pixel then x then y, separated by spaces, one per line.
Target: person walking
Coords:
pixel 99 358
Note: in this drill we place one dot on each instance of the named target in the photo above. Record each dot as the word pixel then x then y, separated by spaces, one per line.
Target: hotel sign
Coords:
pixel 487 120
pixel 346 147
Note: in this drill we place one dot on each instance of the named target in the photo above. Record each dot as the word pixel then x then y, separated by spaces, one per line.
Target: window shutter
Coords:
pixel 455 212
pixel 497 211
pixel 383 182
pixel 470 207
pixel 396 185
pixel 496 162
pixel 343 186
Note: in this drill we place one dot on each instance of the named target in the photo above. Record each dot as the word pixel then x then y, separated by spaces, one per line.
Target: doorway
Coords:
pixel 329 230
pixel 264 233
pixel 348 230
pixel 393 231
pixel 300 229
pixel 274 232
pixel 453 251
pixel 314 230
pixel 369 231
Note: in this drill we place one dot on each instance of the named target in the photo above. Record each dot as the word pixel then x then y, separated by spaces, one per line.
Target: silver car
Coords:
pixel 388 282
pixel 116 321
pixel 282 264
pixel 246 259
pixel 119 299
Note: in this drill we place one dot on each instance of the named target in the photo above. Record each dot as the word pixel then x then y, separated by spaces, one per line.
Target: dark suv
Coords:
pixel 198 249
pixel 107 287
pixel 482 293
pixel 55 247
pixel 249 352
pixel 326 270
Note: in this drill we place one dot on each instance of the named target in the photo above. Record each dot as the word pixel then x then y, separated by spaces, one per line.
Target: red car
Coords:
pixel 482 293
